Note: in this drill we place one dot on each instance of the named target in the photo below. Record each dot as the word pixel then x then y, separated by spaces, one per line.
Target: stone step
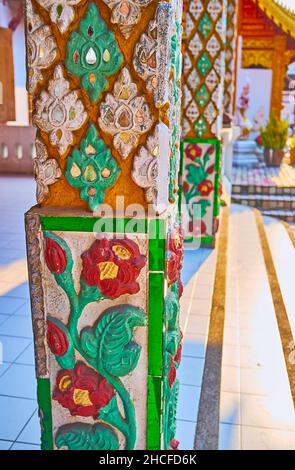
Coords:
pixel 266 202
pixel 256 189
pixel 286 215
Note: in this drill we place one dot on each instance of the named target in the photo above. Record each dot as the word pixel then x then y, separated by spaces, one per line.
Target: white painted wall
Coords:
pixel 19 56
pixel 260 89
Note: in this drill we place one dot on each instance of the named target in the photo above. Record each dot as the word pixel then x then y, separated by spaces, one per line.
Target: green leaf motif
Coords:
pixel 204 204
pixel 111 340
pixel 111 415
pixel 169 418
pixel 82 436
pixel 195 174
pixel 92 168
pixel 92 53
pixel 171 317
pixel 89 342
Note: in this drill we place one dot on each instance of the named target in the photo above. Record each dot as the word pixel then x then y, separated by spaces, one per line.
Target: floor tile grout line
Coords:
pixel 17 397
pixel 13 336
pixel 286 429
pixel 23 428
pixel 207 427
pixel 15 363
pixel 278 302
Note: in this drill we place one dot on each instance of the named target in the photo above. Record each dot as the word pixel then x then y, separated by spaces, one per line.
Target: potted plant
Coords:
pixel 274 139
pixel 292 149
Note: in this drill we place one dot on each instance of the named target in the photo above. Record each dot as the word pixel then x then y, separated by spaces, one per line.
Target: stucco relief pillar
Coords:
pixel 104 242
pixel 203 85
pixel 230 57
pixel 279 70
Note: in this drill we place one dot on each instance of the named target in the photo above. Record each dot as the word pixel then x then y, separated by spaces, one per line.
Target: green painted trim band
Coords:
pixel 94 224
pixel 196 140
pixel 203 240
pixel 44 402
pixel 155 323
pixel 216 181
pixel 153 435
pixel 157 243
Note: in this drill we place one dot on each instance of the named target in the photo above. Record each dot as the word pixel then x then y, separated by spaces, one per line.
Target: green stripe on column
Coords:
pixel 217 178
pixel 44 402
pixel 157 241
pixel 155 323
pixel 153 438
pixel 91 224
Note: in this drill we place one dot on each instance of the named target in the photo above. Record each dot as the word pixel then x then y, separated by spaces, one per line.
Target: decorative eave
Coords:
pixel 280 16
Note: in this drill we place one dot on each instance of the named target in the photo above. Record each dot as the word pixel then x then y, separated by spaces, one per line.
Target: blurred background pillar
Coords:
pixel 203 86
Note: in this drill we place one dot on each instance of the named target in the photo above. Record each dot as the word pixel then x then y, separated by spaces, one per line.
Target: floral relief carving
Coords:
pixel 152 54
pixel 126 13
pixel 92 387
pixel 41 47
pixel 59 112
pixel 125 114
pixel 61 12
pixel 46 170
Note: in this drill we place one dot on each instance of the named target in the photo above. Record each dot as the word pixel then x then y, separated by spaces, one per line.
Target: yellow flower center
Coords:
pixel 81 397
pixel 108 270
pixel 121 252
pixel 65 383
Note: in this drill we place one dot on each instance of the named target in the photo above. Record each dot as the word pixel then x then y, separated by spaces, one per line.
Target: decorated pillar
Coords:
pixel 203 77
pixel 230 57
pixel 279 70
pixel 104 242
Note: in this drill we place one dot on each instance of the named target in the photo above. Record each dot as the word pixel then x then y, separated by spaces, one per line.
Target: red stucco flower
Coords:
pixel 198 227
pixel 185 187
pixel 113 266
pixel 210 170
pixel 56 338
pixel 193 151
pixel 55 256
pixel 175 255
pixel 174 444
pixel 211 149
pixel 172 372
pixel 205 187
pixel 82 390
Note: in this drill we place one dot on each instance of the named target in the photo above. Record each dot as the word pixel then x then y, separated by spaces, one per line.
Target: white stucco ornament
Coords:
pixel 41 47
pixel 126 13
pixel 151 164
pixel 46 170
pixel 125 114
pixel 61 11
pixel 59 112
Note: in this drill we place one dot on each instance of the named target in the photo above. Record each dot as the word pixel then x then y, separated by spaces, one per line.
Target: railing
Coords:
pixel 17 149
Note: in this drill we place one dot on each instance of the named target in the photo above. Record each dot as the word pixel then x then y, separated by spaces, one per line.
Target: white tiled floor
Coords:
pixel 256 409
pixel 255 384
pixel 195 316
